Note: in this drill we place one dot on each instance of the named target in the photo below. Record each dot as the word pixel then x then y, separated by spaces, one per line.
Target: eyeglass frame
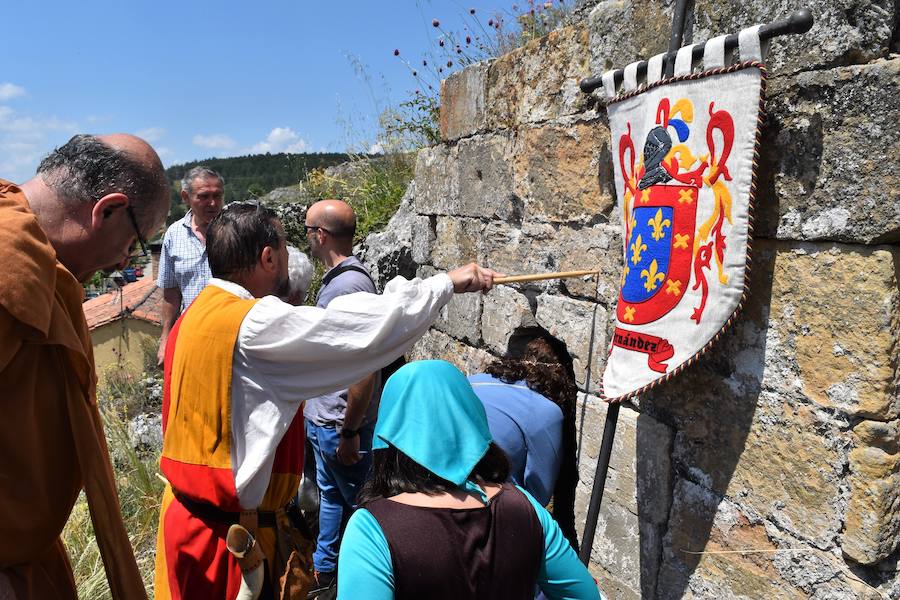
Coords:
pixel 306 229
pixel 140 238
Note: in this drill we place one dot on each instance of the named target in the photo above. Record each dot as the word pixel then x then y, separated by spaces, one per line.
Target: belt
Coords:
pixel 207 512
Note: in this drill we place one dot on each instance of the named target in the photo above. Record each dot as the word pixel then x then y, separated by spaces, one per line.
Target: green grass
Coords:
pixel 373 187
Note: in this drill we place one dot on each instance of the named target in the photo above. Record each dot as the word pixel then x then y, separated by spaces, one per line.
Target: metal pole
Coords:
pixel 612 412
pixel 677 36
pixel 590 523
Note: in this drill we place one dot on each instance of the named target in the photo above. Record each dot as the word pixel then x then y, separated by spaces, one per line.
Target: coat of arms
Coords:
pixel 686 154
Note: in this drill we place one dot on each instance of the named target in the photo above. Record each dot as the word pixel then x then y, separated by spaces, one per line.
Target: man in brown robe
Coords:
pixel 92 202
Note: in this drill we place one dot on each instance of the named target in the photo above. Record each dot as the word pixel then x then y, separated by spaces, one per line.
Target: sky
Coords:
pixel 199 79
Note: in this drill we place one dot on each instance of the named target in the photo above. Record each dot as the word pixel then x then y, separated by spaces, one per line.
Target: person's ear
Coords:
pixel 185 199
pixel 106 207
pixel 267 259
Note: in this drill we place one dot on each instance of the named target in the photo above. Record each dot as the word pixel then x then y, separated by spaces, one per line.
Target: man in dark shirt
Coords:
pixel 339 425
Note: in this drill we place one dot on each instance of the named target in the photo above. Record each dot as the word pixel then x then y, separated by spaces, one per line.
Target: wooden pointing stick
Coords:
pixel 540 276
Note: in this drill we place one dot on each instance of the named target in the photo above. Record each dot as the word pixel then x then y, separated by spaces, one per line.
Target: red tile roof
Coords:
pixel 138 300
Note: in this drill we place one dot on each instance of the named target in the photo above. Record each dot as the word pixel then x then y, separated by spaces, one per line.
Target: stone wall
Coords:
pixel 785 439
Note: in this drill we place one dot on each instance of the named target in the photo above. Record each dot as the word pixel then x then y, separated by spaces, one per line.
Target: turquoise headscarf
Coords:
pixel 430 413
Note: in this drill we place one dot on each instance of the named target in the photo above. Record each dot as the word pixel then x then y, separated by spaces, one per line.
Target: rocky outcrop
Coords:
pixel 771 468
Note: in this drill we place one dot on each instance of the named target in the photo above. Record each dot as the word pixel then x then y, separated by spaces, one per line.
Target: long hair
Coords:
pixel 393 472
pixel 547 369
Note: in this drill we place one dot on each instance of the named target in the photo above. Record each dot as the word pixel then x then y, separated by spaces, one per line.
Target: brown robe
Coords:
pixel 51 434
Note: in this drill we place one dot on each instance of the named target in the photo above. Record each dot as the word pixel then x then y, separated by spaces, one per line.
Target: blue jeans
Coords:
pixel 338 486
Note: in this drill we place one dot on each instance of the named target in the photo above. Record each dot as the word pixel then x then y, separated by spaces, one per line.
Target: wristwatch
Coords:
pixel 349 433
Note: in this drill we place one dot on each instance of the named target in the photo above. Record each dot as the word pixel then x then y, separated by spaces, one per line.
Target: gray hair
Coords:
pixel 85 169
pixel 199 172
pixel 300 272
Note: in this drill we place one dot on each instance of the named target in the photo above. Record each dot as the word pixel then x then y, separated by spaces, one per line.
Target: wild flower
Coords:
pixel 479 38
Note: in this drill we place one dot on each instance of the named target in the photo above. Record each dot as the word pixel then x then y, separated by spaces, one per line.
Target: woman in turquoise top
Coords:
pixel 438 521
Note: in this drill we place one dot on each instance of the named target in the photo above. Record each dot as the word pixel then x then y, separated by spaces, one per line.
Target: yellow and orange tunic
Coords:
pixel 237 369
pixel 197 458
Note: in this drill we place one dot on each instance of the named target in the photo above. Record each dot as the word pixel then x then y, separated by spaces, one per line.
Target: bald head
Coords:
pixel 139 150
pixel 335 216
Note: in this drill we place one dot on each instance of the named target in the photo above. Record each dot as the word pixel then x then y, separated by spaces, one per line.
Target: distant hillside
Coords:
pixel 252 176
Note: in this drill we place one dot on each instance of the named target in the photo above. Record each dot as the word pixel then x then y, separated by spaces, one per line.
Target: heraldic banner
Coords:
pixel 685 152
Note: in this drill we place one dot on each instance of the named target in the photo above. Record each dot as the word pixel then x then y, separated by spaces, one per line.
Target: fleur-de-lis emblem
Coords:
pixel 637 246
pixel 653 276
pixel 658 223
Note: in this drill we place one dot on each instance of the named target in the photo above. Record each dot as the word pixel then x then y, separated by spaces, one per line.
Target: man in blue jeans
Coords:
pixel 339 426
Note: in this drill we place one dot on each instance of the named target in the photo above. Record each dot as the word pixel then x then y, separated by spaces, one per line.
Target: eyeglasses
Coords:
pixel 309 228
pixel 141 241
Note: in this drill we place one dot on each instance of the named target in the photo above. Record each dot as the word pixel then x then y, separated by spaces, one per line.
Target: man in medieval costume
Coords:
pixel 238 364
pixel 93 201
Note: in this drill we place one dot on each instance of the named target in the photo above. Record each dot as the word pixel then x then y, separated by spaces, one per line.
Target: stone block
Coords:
pixel 855 31
pixel 872 527
pixel 505 310
pixel 840 306
pixel 437 345
pixel 596 247
pixel 461 318
pixel 851 31
pixel 621 32
pixel 462 102
pixel 564 174
pixel 456 242
pixel 423 236
pixel 515 250
pixel 702 526
pixel 636 497
pixel 486 179
pixel 392 252
pixel 828 162
pixel 879 435
pixel 437 181
pixel 791 470
pixel 538 81
pixel 582 326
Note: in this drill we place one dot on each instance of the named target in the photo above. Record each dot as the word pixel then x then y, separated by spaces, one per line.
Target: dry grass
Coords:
pixel 140 492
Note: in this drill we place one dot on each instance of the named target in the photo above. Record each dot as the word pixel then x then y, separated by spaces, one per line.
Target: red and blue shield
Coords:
pixel 658 258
